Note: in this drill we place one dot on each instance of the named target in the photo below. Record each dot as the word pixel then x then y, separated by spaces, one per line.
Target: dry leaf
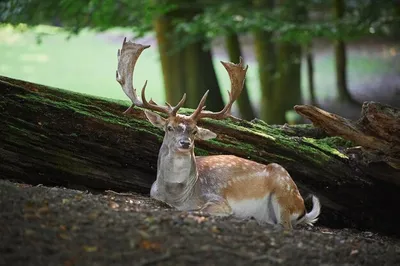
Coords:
pixel 63 228
pixel 326 231
pixel 199 219
pixel 353 252
pixel 215 229
pixel 149 245
pixel 43 210
pixel 90 248
pixel 23 185
pixel 78 197
pixel 113 204
pixel 143 234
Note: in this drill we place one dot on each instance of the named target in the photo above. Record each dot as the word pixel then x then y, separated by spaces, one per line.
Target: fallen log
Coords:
pixel 55 137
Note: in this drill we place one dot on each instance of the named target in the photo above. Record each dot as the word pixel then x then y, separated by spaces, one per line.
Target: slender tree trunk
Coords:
pixel 341 58
pixel 265 54
pixel 310 73
pixel 214 101
pixel 200 77
pixel 243 102
pixel 288 83
pixel 174 81
pixel 193 72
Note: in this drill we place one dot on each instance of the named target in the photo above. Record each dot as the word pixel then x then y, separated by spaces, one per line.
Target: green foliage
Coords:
pixel 361 18
pixel 74 16
pixel 218 18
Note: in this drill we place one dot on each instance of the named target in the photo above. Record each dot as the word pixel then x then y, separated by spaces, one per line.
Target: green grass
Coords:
pixel 86 63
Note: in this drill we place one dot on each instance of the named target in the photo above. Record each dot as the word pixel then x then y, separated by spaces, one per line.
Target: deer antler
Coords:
pixel 127 58
pixel 237 75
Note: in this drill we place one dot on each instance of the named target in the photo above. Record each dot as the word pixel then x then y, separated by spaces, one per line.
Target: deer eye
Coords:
pixel 195 132
pixel 170 128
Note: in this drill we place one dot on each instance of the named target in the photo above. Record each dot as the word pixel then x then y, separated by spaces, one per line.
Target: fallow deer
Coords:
pixel 219 184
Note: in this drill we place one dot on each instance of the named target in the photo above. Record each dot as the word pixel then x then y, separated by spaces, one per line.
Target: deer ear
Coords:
pixel 155 119
pixel 205 134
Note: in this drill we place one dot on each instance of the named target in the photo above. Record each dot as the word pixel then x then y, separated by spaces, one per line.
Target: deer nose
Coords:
pixel 184 144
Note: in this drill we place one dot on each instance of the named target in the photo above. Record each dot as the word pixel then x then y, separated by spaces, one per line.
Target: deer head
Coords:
pixel 180 130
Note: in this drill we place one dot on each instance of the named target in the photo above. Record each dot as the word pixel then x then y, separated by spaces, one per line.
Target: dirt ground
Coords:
pixel 58 226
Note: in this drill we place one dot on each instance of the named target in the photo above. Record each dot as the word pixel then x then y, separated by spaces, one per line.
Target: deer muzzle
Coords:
pixel 185 144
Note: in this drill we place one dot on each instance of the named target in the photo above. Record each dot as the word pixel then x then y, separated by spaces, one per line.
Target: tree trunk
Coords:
pixel 186 69
pixel 341 59
pixel 171 61
pixel 288 83
pixel 200 77
pixel 265 54
pixel 55 137
pixel 310 73
pixel 243 102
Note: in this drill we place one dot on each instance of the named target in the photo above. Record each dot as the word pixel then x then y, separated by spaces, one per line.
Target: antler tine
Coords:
pixel 176 108
pixel 200 107
pixel 127 58
pixel 237 75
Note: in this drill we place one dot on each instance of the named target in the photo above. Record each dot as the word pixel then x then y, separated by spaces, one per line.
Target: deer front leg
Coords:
pixel 217 206
pixel 285 222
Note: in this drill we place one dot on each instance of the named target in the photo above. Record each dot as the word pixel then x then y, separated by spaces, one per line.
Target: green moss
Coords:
pixel 245 147
pixel 324 146
pixel 338 142
pixel 93 111
pixel 200 152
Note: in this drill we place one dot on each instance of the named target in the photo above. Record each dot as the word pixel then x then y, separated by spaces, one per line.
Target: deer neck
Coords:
pixel 176 177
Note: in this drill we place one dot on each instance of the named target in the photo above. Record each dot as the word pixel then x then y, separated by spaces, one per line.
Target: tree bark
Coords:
pixel 341 59
pixel 55 137
pixel 200 77
pixel 243 102
pixel 310 73
pixel 265 53
pixel 171 60
pixel 289 55
pixel 288 83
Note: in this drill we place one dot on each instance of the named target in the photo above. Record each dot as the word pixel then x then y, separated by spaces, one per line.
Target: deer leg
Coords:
pixel 282 214
pixel 217 206
pixel 285 220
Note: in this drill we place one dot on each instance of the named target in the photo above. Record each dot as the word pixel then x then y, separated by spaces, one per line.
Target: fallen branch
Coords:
pixel 377 133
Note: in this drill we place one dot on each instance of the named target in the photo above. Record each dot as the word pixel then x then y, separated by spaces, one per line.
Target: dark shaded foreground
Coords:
pixel 57 226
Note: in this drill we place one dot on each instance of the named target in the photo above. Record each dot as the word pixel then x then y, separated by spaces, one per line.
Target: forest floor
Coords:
pixel 58 226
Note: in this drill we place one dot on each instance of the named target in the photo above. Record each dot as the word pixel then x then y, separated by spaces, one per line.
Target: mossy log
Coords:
pixel 55 137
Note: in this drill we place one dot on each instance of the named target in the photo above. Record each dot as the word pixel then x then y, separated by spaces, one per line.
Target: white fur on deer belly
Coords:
pixel 256 208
